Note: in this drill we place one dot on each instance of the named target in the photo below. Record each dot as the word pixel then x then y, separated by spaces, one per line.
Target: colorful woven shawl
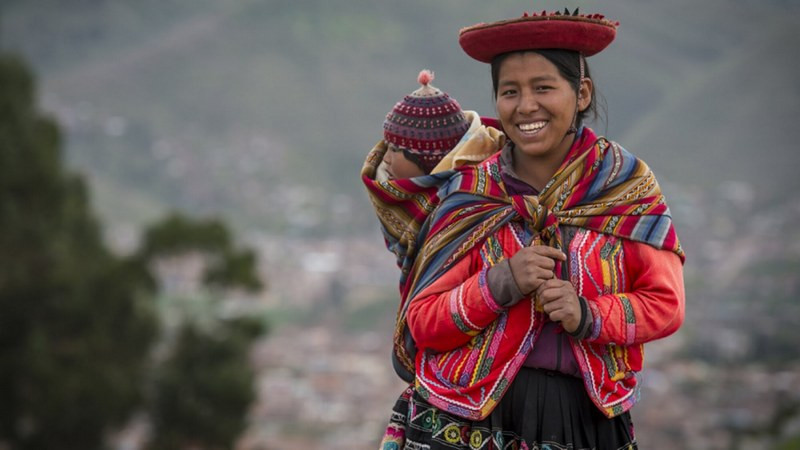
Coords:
pixel 403 205
pixel 600 186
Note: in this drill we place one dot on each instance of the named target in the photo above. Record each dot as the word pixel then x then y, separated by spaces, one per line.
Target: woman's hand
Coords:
pixel 532 266
pixel 560 302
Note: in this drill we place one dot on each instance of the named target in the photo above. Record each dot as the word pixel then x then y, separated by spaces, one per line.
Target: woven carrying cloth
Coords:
pixel 600 186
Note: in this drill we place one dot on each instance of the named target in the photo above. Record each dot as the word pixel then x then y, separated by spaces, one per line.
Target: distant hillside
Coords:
pixel 733 121
pixel 263 110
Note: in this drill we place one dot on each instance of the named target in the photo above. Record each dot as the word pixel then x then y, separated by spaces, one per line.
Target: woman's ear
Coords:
pixel 585 94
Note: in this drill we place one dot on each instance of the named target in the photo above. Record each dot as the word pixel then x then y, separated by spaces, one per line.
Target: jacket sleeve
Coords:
pixel 654 308
pixel 454 308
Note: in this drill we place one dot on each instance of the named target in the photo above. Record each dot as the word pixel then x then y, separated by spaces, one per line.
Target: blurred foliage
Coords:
pixel 789 444
pixel 203 386
pixel 178 234
pixel 203 389
pixel 78 324
pixel 64 381
pixel 228 267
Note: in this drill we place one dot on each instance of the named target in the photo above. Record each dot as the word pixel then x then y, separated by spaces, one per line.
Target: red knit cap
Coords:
pixel 427 123
pixel 584 33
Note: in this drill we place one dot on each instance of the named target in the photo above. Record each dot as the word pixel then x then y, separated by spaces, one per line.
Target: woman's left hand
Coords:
pixel 560 302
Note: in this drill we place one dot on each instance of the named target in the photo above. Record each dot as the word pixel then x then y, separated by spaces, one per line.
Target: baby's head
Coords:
pixel 421 129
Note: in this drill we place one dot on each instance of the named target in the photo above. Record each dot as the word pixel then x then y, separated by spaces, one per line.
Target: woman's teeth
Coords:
pixel 531 128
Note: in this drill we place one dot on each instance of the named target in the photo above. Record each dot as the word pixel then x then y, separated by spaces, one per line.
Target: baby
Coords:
pixel 420 130
pixel 424 135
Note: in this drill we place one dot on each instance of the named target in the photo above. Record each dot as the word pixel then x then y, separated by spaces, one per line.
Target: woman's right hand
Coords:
pixel 532 266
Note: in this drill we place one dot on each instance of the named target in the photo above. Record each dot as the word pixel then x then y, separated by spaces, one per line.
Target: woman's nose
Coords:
pixel 527 104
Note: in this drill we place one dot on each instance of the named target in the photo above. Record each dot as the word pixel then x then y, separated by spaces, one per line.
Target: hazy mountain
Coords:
pixel 263 110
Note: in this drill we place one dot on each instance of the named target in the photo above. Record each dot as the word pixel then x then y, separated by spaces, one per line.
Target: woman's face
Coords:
pixel 536 105
pixel 398 165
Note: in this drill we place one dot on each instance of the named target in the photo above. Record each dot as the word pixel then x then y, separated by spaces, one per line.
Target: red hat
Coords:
pixel 584 33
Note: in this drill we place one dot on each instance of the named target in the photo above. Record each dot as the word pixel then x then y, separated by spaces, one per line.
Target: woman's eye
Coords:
pixel 543 88
pixel 508 92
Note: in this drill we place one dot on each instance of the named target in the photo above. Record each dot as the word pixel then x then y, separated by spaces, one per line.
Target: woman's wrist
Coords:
pixel 502 285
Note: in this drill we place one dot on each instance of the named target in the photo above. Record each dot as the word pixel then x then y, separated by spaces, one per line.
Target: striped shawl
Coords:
pixel 430 222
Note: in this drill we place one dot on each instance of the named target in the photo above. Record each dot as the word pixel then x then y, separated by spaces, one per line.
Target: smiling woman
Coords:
pixel 537 275
pixel 539 108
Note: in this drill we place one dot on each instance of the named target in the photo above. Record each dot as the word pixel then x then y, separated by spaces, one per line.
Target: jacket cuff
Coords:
pixel 502 285
pixel 585 327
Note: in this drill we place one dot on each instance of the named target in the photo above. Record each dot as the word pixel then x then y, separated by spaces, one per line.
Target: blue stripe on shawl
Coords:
pixel 652 229
pixel 668 226
pixel 602 182
pixel 629 164
pixel 653 226
pixel 433 179
pixel 643 228
pixel 659 232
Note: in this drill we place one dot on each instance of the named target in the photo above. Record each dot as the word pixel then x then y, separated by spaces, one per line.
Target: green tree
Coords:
pixel 202 389
pixel 228 267
pixel 76 324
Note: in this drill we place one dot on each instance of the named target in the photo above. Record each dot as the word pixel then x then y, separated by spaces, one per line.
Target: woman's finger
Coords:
pixel 549 252
pixel 553 283
pixel 544 262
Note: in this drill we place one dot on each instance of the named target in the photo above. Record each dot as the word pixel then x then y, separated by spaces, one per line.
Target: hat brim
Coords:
pixel 586 35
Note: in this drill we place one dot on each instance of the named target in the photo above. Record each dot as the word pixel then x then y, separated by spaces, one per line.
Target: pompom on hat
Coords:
pixel 585 33
pixel 427 123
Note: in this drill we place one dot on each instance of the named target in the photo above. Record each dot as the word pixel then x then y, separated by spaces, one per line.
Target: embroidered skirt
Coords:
pixel 541 410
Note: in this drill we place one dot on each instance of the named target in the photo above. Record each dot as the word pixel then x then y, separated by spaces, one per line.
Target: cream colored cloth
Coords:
pixel 477 144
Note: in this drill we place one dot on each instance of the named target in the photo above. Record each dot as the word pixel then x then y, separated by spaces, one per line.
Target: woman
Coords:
pixel 542 271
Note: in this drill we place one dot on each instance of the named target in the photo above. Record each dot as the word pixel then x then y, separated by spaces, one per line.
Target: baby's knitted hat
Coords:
pixel 427 123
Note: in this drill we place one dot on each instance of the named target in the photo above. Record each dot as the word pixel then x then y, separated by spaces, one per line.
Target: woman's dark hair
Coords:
pixel 568 65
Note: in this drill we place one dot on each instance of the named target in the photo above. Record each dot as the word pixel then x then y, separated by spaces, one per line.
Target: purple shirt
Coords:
pixel 552 349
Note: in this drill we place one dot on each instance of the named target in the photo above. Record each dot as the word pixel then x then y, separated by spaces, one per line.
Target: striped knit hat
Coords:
pixel 426 124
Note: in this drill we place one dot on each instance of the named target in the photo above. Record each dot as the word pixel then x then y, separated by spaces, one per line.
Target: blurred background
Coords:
pixel 188 259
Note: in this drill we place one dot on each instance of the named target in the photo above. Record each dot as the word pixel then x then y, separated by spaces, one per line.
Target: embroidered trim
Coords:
pixel 486 294
pixel 630 319
pixel 481 400
pixel 459 314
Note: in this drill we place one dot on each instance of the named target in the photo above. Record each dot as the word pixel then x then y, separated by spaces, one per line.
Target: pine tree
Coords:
pixel 203 387
pixel 76 323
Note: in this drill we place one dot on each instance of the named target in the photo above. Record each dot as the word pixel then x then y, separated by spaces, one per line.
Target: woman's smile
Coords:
pixel 530 129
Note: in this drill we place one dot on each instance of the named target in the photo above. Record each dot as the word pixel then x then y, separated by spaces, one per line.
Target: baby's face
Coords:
pixel 399 166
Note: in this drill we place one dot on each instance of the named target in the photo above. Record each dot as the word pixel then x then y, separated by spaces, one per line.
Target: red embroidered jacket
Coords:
pixel 635 292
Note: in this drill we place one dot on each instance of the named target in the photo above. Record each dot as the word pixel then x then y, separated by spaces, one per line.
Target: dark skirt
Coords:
pixel 541 410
